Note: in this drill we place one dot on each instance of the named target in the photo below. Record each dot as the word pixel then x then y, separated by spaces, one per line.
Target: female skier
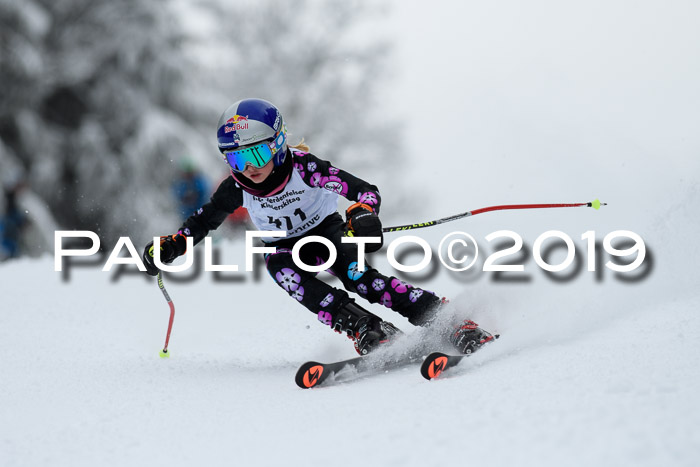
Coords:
pixel 286 188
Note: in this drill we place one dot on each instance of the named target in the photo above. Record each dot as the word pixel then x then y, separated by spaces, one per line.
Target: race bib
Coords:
pixel 296 210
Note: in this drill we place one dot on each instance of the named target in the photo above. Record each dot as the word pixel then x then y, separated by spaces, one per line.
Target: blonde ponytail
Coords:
pixel 301 146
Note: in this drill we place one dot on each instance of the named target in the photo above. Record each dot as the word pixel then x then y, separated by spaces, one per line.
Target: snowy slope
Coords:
pixel 585 373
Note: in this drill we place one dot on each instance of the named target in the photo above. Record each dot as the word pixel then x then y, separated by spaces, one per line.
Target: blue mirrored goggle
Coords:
pixel 258 155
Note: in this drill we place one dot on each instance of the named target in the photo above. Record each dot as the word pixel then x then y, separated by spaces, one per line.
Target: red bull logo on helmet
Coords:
pixel 237 122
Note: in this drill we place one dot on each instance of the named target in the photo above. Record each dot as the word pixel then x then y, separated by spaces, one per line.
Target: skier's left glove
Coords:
pixel 362 221
pixel 170 248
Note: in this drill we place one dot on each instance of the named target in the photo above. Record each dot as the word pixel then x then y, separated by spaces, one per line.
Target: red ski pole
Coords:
pixel 164 353
pixel 593 204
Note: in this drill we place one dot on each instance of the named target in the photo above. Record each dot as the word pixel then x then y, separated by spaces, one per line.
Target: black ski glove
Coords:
pixel 362 221
pixel 170 248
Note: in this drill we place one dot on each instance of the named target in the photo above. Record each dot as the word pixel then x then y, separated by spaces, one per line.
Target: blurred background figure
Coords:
pixel 12 223
pixel 191 188
pixel 26 223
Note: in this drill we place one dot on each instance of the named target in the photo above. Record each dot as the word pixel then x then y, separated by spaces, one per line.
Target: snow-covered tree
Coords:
pixel 101 100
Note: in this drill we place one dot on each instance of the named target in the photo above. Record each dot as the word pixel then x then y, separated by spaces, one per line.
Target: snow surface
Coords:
pixel 585 373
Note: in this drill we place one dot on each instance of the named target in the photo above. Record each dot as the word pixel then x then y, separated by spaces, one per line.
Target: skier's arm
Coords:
pixel 227 198
pixel 320 173
pixel 362 217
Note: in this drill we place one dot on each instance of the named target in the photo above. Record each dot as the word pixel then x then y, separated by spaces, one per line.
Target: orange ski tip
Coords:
pixel 312 375
pixel 436 367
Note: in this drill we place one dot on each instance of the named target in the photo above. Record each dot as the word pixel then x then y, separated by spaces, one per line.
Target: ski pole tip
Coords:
pixel 164 354
pixel 597 204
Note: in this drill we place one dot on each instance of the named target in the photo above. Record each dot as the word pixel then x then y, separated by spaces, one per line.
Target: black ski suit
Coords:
pixel 307 205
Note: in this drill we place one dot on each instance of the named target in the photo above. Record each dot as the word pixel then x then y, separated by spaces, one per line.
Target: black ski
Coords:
pixel 313 374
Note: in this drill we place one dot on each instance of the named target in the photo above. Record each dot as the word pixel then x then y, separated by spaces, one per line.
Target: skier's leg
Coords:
pixel 333 306
pixel 419 306
pixel 311 292
pixel 416 304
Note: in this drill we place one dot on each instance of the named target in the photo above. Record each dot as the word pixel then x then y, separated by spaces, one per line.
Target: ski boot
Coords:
pixel 366 330
pixel 467 337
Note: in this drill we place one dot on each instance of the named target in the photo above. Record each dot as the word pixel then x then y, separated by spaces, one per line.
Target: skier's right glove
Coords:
pixel 362 221
pixel 170 248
